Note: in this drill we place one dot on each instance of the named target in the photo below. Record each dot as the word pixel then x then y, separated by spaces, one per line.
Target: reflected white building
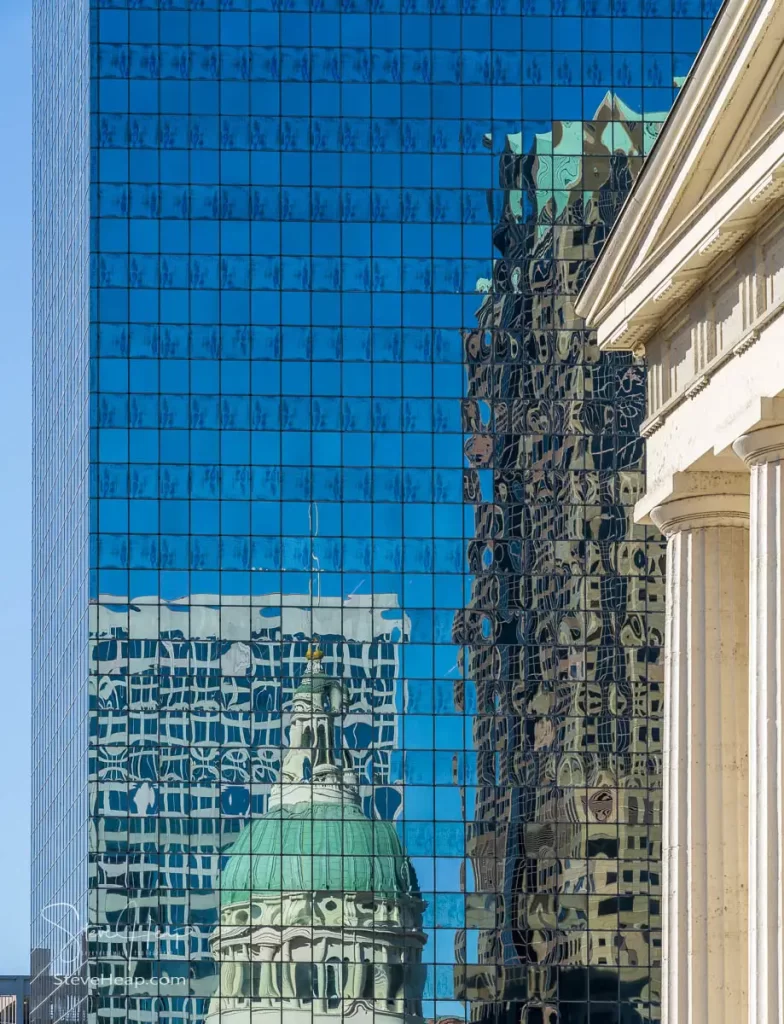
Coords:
pixel 321 913
pixel 188 701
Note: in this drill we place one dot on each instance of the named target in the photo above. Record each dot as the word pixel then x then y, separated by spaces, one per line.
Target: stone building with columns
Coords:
pixel 691 280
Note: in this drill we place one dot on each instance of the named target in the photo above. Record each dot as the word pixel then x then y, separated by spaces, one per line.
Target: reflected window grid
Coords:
pixel 339 401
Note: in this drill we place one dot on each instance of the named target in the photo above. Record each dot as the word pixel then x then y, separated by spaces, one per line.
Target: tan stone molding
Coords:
pixel 761 446
pixel 702 500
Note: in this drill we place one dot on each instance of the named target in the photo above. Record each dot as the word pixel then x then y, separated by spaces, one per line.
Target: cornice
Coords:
pixel 748 338
pixel 669 277
pixel 740 304
pixel 717 80
pixel 696 499
pixel 761 446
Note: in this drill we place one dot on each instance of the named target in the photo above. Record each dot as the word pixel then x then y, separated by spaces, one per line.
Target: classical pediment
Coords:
pixel 763 114
pixel 723 128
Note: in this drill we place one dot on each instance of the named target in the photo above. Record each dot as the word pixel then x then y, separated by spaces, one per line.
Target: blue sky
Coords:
pixel 15 386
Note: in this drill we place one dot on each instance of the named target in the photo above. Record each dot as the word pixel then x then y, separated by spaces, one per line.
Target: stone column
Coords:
pixel 705 751
pixel 763 451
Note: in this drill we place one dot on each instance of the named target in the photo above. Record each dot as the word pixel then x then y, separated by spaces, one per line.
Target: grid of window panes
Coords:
pixel 338 390
pixel 60 503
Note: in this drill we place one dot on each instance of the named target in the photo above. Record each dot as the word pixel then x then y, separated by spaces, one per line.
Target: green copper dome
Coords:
pixel 317 847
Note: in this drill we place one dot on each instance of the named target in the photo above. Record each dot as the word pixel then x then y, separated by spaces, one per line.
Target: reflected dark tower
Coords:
pixel 563 628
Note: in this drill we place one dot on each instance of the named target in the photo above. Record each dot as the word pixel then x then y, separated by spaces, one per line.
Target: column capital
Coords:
pixel 702 500
pixel 760 446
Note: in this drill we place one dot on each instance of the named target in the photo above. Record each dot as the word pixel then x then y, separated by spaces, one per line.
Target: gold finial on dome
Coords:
pixel 314 651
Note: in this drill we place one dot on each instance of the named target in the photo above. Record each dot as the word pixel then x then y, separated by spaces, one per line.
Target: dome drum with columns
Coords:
pixel 320 908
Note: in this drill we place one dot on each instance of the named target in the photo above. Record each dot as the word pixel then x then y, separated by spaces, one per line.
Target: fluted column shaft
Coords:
pixel 705 758
pixel 763 450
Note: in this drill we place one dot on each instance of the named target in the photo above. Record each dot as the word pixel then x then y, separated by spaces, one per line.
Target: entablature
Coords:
pixel 720 321
pixel 691 260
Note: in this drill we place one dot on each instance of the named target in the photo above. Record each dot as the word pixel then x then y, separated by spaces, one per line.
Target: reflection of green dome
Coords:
pixel 317 847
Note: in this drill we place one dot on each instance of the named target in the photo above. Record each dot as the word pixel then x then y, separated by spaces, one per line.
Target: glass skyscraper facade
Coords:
pixel 347 652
